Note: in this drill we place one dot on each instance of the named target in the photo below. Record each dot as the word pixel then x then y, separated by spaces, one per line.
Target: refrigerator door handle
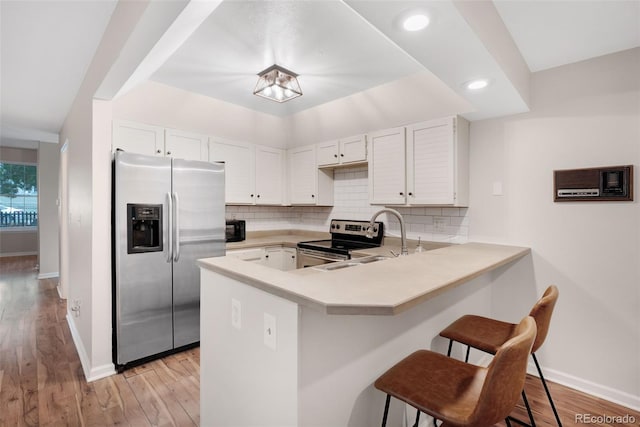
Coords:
pixel 169 227
pixel 176 228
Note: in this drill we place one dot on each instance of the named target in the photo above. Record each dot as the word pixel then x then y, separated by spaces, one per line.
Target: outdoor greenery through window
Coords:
pixel 18 195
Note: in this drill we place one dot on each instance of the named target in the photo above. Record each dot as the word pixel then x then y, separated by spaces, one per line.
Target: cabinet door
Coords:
pixel 138 138
pixel 273 257
pixel 328 153
pixel 303 175
pixel 269 176
pixel 239 166
pixel 430 162
pixel 387 171
pixel 185 145
pixel 289 259
pixel 353 149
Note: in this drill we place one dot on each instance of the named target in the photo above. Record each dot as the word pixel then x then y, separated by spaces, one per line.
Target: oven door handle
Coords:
pixel 314 254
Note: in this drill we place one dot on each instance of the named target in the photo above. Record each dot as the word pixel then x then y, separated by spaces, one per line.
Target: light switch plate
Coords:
pixel 270 332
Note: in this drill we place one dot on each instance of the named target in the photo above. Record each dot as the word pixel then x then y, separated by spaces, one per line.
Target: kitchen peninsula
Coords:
pixel 303 347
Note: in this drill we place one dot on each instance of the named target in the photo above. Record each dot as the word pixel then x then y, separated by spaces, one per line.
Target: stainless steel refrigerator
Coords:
pixel 167 214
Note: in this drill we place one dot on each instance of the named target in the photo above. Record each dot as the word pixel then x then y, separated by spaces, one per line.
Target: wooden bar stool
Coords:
pixel 458 393
pixel 488 335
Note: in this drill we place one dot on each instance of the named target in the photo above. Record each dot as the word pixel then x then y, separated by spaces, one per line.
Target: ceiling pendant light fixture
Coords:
pixel 277 84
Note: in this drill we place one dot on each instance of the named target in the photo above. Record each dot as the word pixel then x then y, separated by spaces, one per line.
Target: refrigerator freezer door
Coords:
pixel 143 289
pixel 198 189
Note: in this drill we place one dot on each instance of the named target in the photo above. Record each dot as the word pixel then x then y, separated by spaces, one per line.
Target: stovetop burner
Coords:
pixel 347 236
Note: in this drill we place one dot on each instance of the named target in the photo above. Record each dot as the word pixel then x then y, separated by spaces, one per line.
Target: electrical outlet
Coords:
pixel 270 332
pixel 236 313
pixel 439 224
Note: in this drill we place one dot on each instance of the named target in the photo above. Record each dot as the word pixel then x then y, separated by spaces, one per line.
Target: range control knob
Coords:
pixel 338 226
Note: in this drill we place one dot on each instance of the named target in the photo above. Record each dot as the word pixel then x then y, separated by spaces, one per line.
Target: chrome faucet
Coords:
pixel 403 234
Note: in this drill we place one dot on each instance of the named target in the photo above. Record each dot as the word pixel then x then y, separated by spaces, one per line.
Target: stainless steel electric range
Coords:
pixel 346 236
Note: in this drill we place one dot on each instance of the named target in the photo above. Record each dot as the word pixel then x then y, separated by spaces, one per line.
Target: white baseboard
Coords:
pixel 594 389
pixel 59 289
pixel 91 373
pixel 602 391
pixel 48 275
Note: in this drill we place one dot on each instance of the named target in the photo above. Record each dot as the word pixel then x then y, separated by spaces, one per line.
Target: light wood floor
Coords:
pixel 42 383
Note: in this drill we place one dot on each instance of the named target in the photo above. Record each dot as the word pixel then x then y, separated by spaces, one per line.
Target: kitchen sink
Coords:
pixel 351 263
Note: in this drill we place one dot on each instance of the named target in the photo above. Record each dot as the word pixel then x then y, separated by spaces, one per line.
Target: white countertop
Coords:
pixel 386 287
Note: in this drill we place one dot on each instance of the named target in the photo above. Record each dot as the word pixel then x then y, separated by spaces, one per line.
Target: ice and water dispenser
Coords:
pixel 144 228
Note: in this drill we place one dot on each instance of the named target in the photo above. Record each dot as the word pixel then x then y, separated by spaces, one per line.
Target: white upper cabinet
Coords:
pixel 270 166
pixel 328 153
pixel 429 167
pixel 186 145
pixel 353 149
pixel 437 162
pixel 308 185
pixel 253 174
pixel 157 141
pixel 137 138
pixel 343 151
pixel 387 167
pixel 239 169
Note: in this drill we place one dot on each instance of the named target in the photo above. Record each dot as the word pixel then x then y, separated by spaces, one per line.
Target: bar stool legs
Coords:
pixel 546 389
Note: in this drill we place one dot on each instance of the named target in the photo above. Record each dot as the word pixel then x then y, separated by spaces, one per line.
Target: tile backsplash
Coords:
pixel 351 201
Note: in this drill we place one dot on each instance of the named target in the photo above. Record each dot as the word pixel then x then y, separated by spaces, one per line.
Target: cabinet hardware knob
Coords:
pixel 313 195
pixel 335 155
pixel 401 193
pixel 168 153
pixel 341 155
pixel 266 256
pixel 293 256
pixel 252 195
pixel 411 194
pixel 258 196
pixel 158 151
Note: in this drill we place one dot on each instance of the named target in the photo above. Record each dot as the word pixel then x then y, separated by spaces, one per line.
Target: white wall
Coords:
pixel 48 171
pixel 160 105
pixel 409 100
pixel 583 115
pixel 86 177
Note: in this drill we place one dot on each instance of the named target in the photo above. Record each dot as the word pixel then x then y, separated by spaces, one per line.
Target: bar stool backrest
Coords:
pixel 541 312
pixel 505 377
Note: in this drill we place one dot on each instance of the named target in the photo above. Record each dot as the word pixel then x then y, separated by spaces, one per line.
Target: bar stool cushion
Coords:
pixel 488 334
pixel 479 332
pixel 423 380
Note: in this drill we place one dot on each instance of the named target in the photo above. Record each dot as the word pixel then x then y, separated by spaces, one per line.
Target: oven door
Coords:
pixel 311 258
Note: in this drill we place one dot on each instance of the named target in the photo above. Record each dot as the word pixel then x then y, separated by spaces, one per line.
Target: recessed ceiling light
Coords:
pixel 477 84
pixel 416 22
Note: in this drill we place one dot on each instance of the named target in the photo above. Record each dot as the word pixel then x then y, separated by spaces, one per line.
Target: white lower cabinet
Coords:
pixel 278 257
pixel 251 255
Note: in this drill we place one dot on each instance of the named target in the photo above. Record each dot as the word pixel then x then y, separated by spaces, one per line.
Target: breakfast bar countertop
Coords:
pixel 385 287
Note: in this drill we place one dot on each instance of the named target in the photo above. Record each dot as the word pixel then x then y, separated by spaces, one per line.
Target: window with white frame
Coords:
pixel 18 195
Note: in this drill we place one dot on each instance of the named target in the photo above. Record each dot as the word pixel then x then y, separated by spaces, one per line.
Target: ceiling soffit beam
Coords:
pixel 162 29
pixel 483 18
pixel 28 134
